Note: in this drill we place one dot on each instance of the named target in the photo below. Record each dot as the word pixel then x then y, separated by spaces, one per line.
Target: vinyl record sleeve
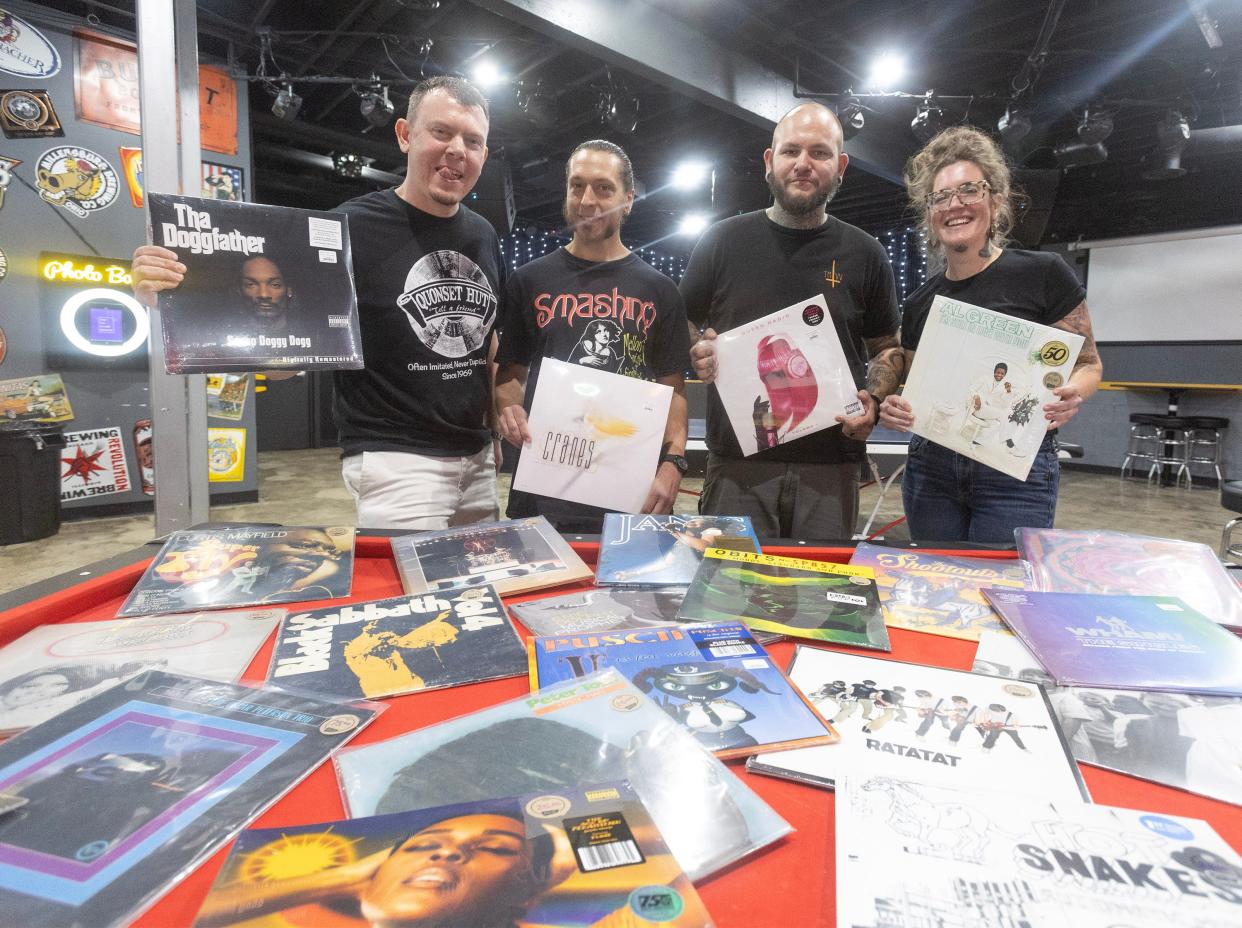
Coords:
pixel 665 550
pixel 400 645
pixel 266 287
pixel 595 434
pixel 593 854
pixel 131 790
pixel 713 679
pixel 980 380
pixel 938 594
pixel 56 667
pixel 1128 642
pixel 788 596
pixel 600 610
pixel 1067 561
pixel 513 555
pixel 911 853
pixel 249 566
pixel 941 726
pixel 597 728
pixel 784 376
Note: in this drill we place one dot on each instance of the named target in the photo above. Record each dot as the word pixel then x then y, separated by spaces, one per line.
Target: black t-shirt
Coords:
pixel 428 298
pixel 748 267
pixel 1037 286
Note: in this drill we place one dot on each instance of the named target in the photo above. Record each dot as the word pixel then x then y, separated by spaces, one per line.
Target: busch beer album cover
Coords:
pixel 980 380
pixel 665 550
pixel 392 646
pixel 941 726
pixel 129 791
pixel 788 596
pixel 595 434
pixel 513 555
pixel 939 594
pixel 1128 642
pixel 266 287
pixel 911 853
pixel 591 730
pixel 247 566
pixel 56 667
pixel 576 857
pixel 784 376
pixel 714 679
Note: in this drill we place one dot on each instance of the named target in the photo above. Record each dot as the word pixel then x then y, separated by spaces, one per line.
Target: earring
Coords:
pixel 986 250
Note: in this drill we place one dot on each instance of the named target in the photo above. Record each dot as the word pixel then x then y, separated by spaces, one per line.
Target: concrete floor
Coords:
pixel 304 488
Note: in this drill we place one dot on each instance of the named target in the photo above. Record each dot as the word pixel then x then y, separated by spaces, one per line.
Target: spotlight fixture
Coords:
pixel 929 120
pixel 1075 153
pixel 1165 160
pixel 286 104
pixel 375 106
pixel 1095 126
pixel 348 164
pixel 850 115
pixel 486 74
pixel 537 105
pixel 886 71
pixel 618 110
pixel 691 174
pixel 1013 127
pixel 692 224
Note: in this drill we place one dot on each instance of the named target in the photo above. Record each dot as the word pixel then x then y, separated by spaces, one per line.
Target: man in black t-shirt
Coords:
pixel 750 266
pixel 593 303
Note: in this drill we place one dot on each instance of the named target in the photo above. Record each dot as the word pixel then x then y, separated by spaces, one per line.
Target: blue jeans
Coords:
pixel 948 497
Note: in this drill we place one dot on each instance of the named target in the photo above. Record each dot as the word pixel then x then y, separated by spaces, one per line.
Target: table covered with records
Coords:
pixel 792 880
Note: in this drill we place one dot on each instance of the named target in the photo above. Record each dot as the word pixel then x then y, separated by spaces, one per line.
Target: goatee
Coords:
pixel 801 207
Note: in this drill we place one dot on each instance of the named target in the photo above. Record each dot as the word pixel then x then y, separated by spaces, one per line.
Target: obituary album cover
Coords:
pixel 1128 642
pixel 713 679
pixel 980 380
pixel 788 596
pixel 246 566
pixel 941 726
pixel 266 287
pixel 665 550
pixel 513 555
pixel 129 791
pixel 784 376
pixel 401 645
pixel 55 667
pixel 575 857
pixel 597 728
pixel 938 594
pixel 911 853
pixel 595 434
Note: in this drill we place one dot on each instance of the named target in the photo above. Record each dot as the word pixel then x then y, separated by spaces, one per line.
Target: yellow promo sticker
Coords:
pixel 1054 353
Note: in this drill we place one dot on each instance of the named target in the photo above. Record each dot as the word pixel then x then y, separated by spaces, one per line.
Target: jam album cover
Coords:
pixel 788 596
pixel 595 434
pixel 911 853
pixel 714 679
pixel 56 667
pixel 980 380
pixel 664 550
pixel 513 555
pixel 591 730
pixel 927 723
pixel 129 791
pixel 266 287
pixel 936 593
pixel 573 858
pixel 247 566
pixel 784 376
pixel 392 646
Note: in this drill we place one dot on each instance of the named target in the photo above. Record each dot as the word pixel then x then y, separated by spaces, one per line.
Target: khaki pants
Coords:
pixel 395 489
pixel 807 502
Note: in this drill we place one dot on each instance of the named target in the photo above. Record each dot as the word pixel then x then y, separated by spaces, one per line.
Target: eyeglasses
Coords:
pixel 970 192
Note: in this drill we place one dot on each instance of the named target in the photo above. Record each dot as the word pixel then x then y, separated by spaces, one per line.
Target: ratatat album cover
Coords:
pixel 927 723
pixel 55 667
pixel 245 566
pixel 784 376
pixel 665 550
pixel 401 645
pixel 788 596
pixel 513 555
pixel 266 287
pixel 574 858
pixel 126 793
pixel 594 434
pixel 714 679
pixel 939 594
pixel 980 380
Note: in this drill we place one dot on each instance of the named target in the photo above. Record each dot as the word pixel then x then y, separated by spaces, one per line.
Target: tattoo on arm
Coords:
pixel 1079 322
pixel 887 371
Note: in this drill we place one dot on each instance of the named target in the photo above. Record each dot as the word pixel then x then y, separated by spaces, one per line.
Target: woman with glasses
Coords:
pixel 959 186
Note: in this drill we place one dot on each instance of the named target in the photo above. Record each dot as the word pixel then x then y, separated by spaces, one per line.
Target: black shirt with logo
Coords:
pixel 428 298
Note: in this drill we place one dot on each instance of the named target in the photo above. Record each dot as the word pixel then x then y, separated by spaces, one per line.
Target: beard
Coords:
pixel 612 223
pixel 803 205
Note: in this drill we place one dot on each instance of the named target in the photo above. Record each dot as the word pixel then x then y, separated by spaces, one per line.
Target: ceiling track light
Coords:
pixel 1165 160
pixel 1075 153
pixel 850 115
pixel 347 164
pixel 286 104
pixel 536 104
pixel 1013 127
pixel 375 106
pixel 1096 125
pixel 618 110
pixel 929 121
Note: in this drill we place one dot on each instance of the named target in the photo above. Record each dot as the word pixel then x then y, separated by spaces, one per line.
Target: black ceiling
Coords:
pixel 1136 59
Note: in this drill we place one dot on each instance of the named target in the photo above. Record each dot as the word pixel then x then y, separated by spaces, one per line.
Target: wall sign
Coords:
pixel 131 167
pixel 88 314
pixel 4 346
pixel 94 464
pixel 222 182
pixel 4 265
pixel 6 176
pixel 226 455
pixel 28 114
pixel 24 50
pixel 76 179
pixel 41 398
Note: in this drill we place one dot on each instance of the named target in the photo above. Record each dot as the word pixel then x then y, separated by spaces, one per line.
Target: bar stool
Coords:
pixel 1231 499
pixel 1144 441
pixel 1203 446
pixel 1171 450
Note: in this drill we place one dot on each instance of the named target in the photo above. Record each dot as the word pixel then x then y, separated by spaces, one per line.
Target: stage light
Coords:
pixel 486 74
pixel 1013 127
pixel 348 164
pixel 1075 153
pixel 929 120
pixel 1095 126
pixel 618 110
pixel 286 104
pixel 375 106
pixel 693 224
pixel 691 174
pixel 537 105
pixel 1165 160
pixel 850 115
pixel 886 71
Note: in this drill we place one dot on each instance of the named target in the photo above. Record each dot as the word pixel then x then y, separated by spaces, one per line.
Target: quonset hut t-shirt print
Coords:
pixel 449 303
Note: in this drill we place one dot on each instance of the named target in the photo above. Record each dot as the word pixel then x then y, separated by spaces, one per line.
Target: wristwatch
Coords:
pixel 677 461
pixel 875 399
